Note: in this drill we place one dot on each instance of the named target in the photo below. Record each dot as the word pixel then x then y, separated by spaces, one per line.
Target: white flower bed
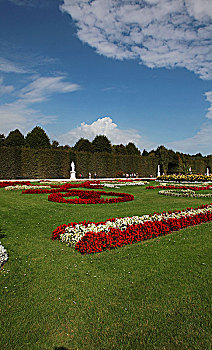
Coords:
pixel 119 184
pixel 73 234
pixel 24 187
pixel 184 193
pixel 3 255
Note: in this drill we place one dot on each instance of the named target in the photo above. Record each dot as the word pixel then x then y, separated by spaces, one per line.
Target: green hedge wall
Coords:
pixel 31 163
pixel 17 162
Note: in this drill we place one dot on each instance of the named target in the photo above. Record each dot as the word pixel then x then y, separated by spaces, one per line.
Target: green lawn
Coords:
pixel 151 295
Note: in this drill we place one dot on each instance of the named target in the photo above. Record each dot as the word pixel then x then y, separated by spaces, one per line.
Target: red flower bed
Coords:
pixel 13 183
pixel 194 188
pixel 97 242
pixel 89 197
pixel 64 188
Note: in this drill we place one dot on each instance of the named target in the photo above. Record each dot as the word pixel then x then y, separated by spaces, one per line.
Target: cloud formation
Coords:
pixel 19 113
pixel 7 66
pixel 201 142
pixel 161 33
pixel 5 89
pixel 104 126
pixel 208 95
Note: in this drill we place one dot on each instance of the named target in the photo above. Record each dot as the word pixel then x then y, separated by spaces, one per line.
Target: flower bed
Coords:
pixel 13 183
pixel 91 237
pixel 3 255
pixel 184 193
pixel 63 188
pixel 89 197
pixel 25 187
pixel 188 177
pixel 194 188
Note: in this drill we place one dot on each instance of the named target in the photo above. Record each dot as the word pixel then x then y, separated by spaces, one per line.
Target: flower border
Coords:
pixel 90 237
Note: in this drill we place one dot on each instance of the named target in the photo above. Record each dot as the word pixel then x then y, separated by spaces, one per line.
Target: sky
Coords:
pixel 134 70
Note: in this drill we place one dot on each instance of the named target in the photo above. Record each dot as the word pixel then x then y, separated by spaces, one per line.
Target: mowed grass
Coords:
pixel 150 295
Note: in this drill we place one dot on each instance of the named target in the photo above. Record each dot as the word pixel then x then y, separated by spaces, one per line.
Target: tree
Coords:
pixel 119 149
pixel 83 145
pixel 132 149
pixel 2 139
pixel 15 138
pixel 145 153
pixel 55 144
pixel 37 138
pixel 102 144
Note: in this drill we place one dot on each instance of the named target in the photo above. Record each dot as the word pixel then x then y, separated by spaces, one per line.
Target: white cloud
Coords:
pixel 104 126
pixel 5 89
pixel 201 142
pixel 161 33
pixel 208 95
pixel 19 114
pixel 7 66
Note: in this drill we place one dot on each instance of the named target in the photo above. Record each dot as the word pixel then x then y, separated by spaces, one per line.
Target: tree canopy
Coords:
pixel 15 138
pixel 37 138
pixel 83 145
pixel 132 149
pixel 101 144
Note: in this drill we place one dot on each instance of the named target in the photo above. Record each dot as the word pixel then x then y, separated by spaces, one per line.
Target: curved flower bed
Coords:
pixel 184 193
pixel 89 197
pixel 62 188
pixel 91 237
pixel 3 255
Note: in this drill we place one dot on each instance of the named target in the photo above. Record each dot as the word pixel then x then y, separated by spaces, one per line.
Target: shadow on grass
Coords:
pixel 60 348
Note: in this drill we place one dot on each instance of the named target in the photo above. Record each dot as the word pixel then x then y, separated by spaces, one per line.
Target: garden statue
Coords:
pixel 72 172
pixel 158 170
pixel 72 166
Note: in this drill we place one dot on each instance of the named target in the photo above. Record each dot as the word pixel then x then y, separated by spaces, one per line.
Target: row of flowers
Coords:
pixel 188 177
pixel 184 193
pixel 91 237
pixel 26 187
pixel 119 184
pixel 179 187
pixel 13 183
pixel 89 197
pixel 60 188
pixel 3 255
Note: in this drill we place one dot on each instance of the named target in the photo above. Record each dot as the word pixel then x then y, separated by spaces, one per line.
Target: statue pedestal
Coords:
pixel 73 175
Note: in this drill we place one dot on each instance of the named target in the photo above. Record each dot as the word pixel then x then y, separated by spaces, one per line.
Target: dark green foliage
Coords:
pixel 46 164
pixel 132 149
pixel 145 153
pixel 101 144
pixel 15 138
pixel 10 162
pixel 55 144
pixel 37 138
pixel 119 149
pixel 83 145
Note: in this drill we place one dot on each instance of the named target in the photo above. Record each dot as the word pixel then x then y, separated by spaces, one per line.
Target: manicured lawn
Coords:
pixel 150 295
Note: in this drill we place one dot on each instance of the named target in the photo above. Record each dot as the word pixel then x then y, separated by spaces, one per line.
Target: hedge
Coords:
pixel 22 162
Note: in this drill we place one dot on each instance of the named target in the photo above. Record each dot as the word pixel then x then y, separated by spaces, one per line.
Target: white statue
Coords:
pixel 72 172
pixel 72 166
pixel 207 172
pixel 158 170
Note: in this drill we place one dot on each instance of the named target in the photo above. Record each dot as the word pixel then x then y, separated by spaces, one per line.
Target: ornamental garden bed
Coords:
pixel 133 297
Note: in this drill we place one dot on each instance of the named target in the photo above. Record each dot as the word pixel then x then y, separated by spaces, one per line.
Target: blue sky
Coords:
pixel 135 70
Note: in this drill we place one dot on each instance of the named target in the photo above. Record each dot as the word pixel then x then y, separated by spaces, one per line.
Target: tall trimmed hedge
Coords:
pixel 17 162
